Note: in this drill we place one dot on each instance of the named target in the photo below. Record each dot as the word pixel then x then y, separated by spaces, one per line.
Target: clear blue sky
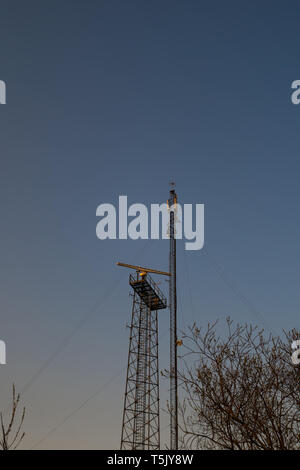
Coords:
pixel 117 97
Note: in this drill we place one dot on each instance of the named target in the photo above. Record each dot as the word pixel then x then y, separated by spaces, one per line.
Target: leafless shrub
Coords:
pixel 12 435
pixel 242 392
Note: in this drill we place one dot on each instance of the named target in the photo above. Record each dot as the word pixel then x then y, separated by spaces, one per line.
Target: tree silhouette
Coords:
pixel 241 390
pixel 12 435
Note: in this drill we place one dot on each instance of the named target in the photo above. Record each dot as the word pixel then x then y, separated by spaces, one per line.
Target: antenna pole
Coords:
pixel 173 324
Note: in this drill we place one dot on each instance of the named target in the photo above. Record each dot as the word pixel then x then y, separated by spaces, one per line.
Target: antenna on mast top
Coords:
pixel 172 184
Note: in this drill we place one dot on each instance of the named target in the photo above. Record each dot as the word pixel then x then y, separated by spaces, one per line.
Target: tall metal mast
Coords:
pixel 173 323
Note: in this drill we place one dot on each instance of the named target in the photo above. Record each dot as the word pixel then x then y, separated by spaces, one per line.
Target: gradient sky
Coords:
pixel 118 97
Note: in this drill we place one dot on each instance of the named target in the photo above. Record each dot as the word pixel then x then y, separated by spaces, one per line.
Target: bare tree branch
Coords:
pixel 241 392
pixel 10 439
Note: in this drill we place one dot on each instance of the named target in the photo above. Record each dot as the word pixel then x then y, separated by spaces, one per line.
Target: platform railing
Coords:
pixel 153 285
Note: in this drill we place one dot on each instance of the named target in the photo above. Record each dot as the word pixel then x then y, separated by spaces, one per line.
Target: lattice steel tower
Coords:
pixel 141 425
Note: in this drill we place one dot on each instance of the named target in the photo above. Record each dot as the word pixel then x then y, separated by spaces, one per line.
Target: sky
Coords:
pixel 114 97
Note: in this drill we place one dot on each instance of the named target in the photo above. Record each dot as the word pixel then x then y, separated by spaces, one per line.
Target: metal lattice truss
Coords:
pixel 141 425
